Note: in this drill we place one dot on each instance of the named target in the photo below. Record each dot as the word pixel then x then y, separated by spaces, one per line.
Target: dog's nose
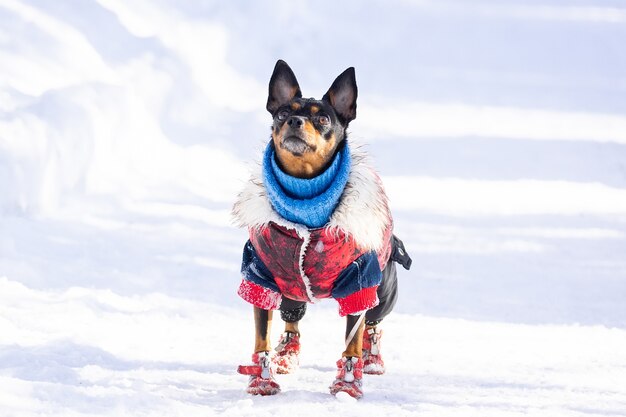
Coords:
pixel 295 122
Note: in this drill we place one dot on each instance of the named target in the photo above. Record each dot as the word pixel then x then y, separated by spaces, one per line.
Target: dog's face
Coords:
pixel 307 132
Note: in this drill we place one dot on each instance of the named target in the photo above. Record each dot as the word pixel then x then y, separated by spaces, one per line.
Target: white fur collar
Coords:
pixel 362 212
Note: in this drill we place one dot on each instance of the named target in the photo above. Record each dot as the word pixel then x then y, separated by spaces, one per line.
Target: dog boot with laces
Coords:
pixel 349 377
pixel 261 373
pixel 287 351
pixel 373 363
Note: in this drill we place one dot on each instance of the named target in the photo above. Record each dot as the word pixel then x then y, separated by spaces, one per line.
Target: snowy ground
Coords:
pixel 127 128
pixel 157 355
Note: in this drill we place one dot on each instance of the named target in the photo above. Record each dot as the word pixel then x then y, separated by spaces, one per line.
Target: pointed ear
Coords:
pixel 342 95
pixel 283 87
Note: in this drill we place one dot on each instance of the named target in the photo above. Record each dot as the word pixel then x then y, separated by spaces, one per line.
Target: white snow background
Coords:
pixel 128 127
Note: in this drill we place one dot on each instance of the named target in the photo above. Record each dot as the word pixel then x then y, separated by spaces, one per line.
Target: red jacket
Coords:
pixel 342 260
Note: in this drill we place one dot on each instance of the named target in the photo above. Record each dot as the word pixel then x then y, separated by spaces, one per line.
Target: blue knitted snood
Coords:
pixel 306 201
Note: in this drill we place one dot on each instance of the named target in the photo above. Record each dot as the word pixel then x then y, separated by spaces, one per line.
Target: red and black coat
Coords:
pixel 342 260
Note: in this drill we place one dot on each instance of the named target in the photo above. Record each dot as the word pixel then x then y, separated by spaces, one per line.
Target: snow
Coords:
pixel 158 355
pixel 490 122
pixel 127 129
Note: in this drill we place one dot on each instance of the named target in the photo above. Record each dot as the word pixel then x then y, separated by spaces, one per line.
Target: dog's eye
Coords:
pixel 323 120
pixel 282 115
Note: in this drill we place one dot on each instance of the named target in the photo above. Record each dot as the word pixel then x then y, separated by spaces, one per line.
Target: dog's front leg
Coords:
pixel 354 346
pixel 292 327
pixel 350 366
pixel 262 326
pixel 288 349
pixel 261 371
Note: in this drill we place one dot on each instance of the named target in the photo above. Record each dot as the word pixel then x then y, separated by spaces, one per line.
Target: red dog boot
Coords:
pixel 349 377
pixel 287 352
pixel 261 375
pixel 373 363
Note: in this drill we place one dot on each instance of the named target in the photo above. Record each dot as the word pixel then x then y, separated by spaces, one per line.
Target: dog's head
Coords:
pixel 307 132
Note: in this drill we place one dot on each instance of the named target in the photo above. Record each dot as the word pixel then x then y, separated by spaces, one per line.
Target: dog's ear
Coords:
pixel 283 87
pixel 342 95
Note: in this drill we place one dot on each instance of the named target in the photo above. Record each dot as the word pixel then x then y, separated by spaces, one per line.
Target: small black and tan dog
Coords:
pixel 320 227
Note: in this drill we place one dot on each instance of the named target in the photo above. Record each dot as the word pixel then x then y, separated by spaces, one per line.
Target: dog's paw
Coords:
pixel 262 386
pixel 349 377
pixel 261 373
pixel 373 365
pixel 286 364
pixel 354 389
pixel 287 351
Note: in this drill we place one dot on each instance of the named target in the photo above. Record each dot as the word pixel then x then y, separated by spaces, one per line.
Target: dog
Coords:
pixel 320 227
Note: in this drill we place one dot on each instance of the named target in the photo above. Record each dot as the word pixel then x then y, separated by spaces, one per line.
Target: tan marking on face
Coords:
pixel 314 109
pixel 311 133
pixel 295 106
pixel 313 161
